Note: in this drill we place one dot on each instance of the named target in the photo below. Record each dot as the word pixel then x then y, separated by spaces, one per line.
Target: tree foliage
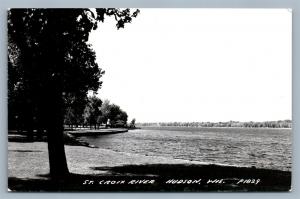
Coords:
pixel 97 113
pixel 51 68
pixel 92 111
pixel 132 123
pixel 116 116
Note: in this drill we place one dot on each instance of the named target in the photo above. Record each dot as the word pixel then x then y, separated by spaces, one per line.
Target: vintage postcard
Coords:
pixel 127 99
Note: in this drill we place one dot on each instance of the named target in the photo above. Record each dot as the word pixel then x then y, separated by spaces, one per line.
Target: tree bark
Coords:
pixel 56 150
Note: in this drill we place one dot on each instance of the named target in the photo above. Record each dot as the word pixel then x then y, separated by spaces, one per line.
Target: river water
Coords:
pixel 259 147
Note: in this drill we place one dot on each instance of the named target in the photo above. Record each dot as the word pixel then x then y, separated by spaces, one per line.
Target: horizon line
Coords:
pixel 217 121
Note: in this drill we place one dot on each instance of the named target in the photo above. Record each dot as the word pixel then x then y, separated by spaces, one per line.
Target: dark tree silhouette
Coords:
pixel 97 113
pixel 114 114
pixel 117 117
pixel 132 123
pixel 92 111
pixel 50 60
pixel 74 109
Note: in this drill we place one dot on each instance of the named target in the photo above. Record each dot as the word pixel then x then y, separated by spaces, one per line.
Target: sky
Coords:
pixel 198 64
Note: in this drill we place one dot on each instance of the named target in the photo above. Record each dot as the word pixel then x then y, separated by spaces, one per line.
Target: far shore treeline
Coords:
pixel 251 124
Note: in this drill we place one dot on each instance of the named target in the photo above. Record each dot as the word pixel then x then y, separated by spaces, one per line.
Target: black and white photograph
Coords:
pixel 149 99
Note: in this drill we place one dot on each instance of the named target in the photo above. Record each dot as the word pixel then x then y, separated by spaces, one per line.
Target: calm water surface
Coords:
pixel 262 148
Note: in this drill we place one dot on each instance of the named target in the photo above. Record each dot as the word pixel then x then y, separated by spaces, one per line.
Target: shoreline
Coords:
pixel 141 127
pixel 71 137
pixel 95 132
pixel 28 171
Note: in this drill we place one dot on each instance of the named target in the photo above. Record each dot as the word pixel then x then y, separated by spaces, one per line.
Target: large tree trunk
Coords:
pixel 56 150
pixel 28 116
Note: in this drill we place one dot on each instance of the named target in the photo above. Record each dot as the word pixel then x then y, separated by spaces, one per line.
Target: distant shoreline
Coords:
pixel 232 124
pixel 141 127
